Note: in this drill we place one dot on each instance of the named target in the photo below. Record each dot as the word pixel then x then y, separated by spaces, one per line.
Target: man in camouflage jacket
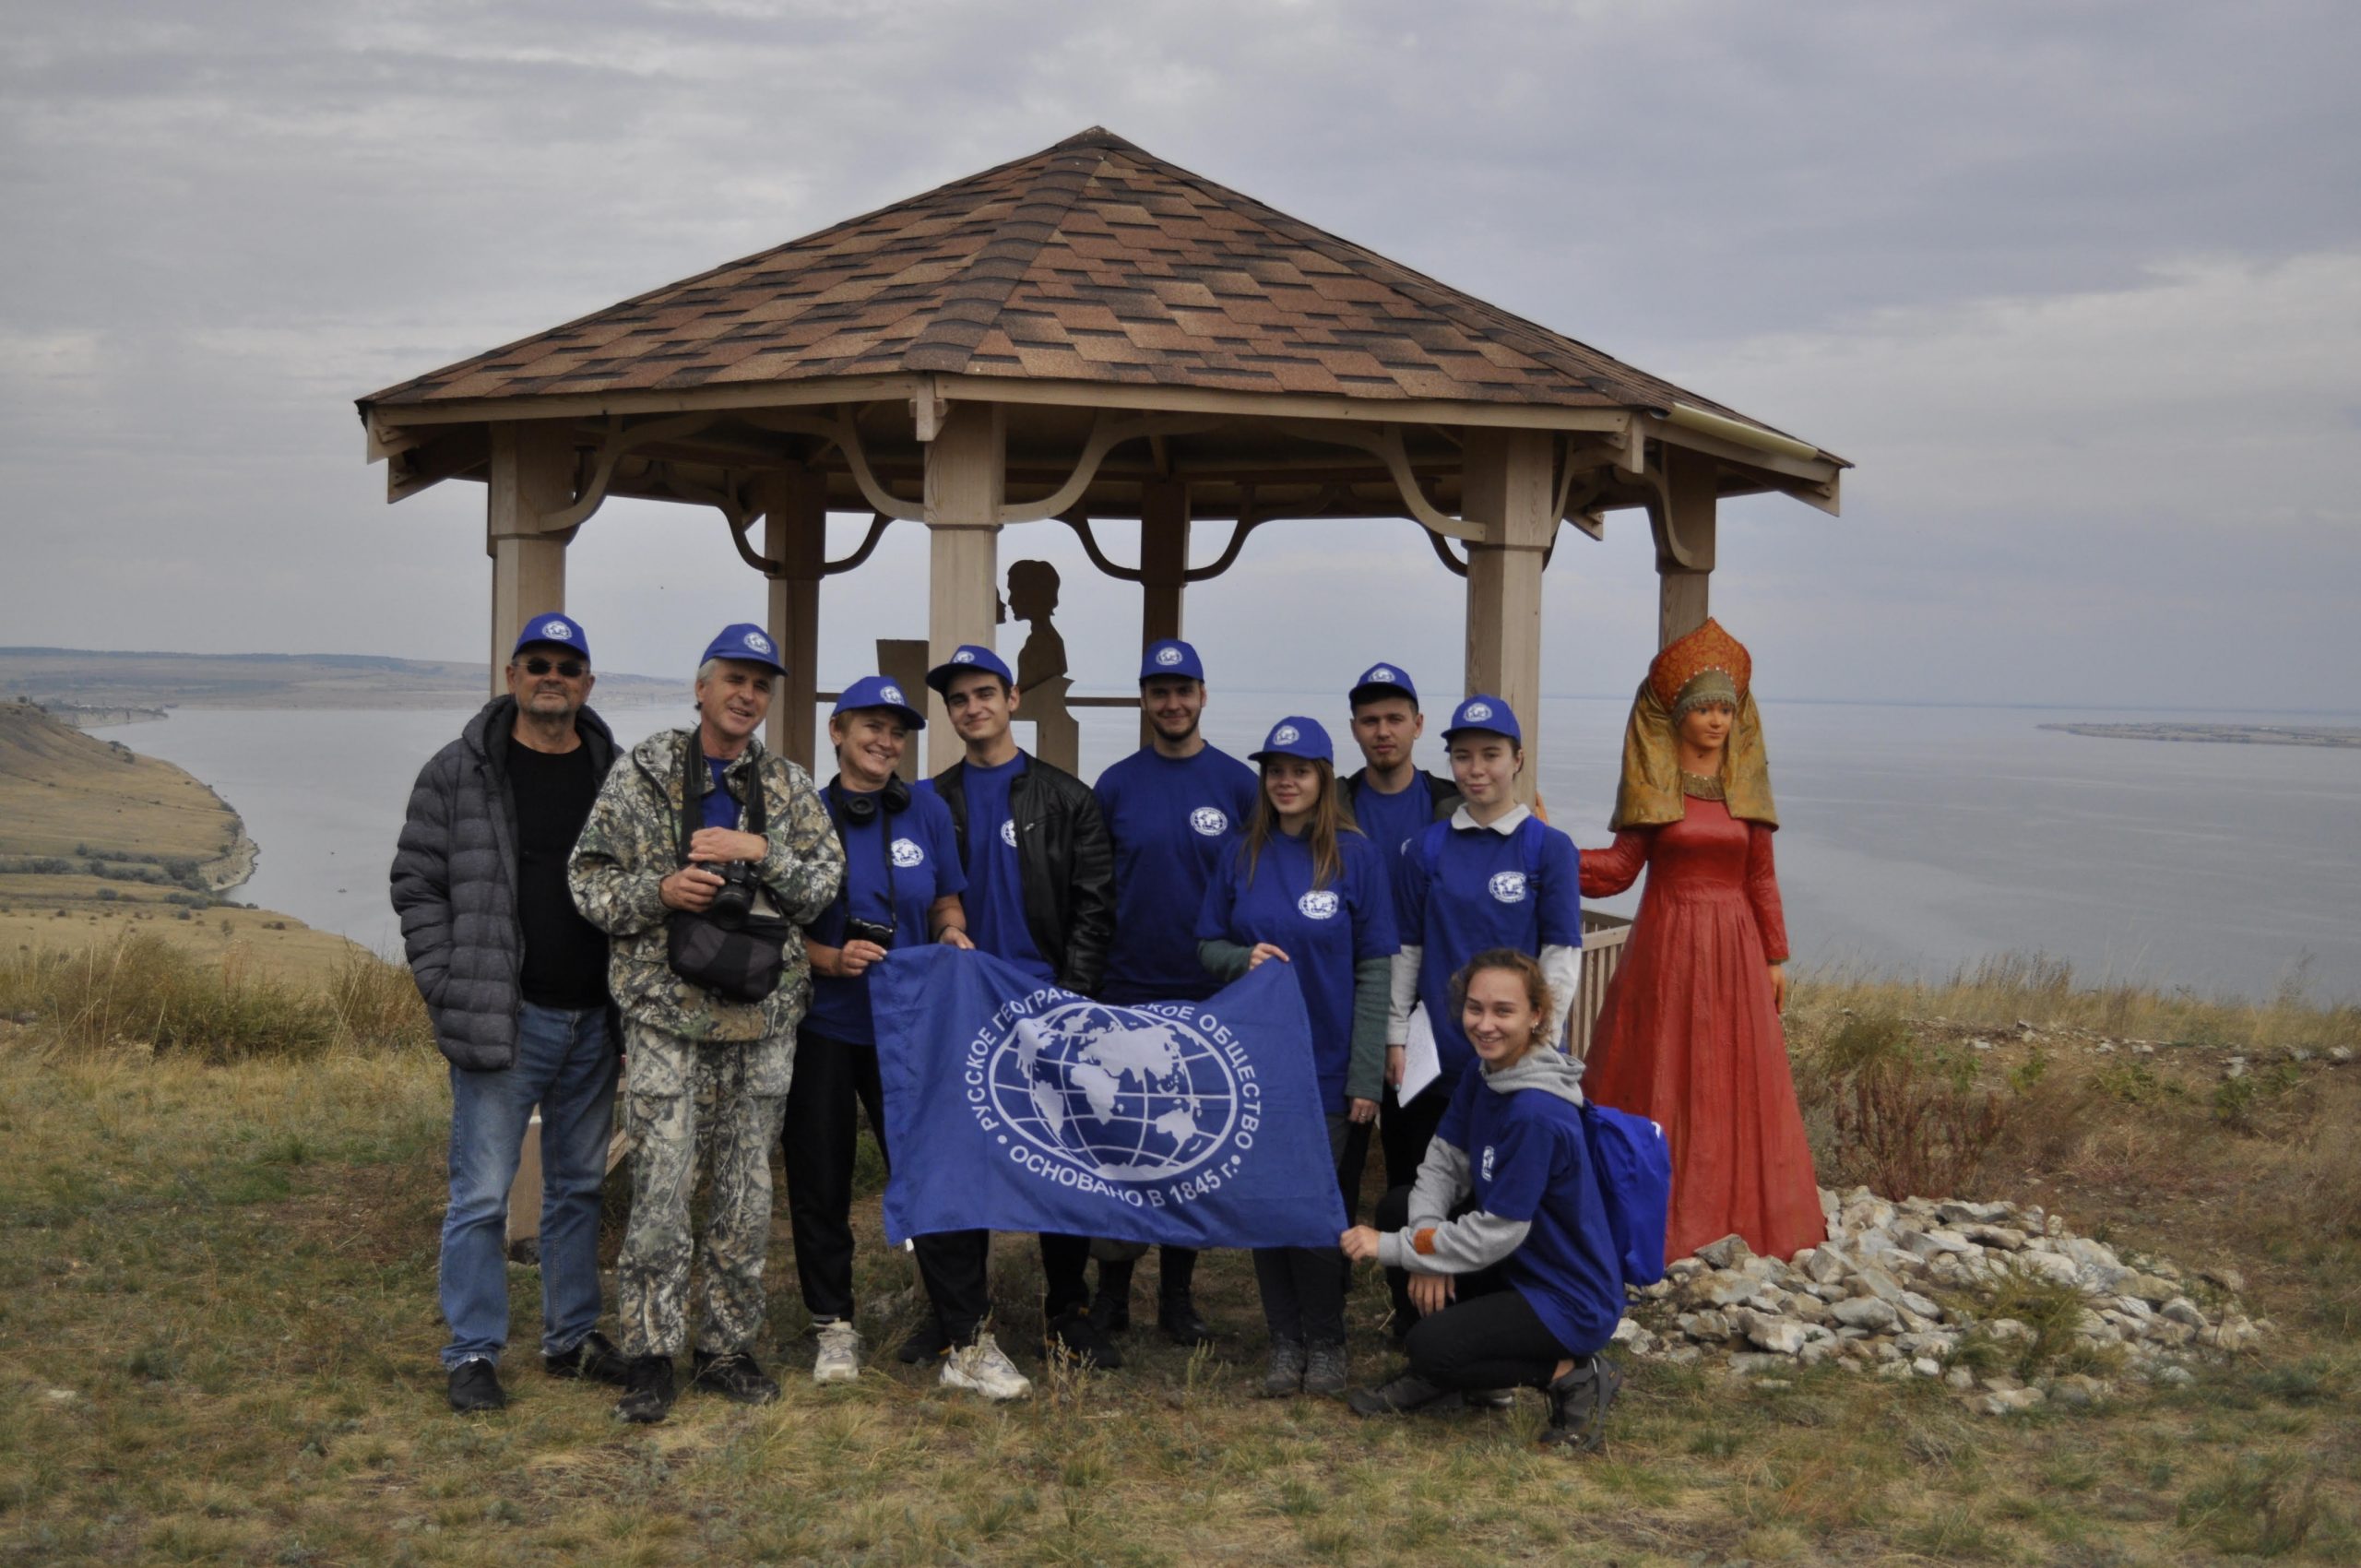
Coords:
pixel 688 1052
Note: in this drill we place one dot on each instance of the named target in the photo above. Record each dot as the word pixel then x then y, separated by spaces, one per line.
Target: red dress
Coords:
pixel 1689 1037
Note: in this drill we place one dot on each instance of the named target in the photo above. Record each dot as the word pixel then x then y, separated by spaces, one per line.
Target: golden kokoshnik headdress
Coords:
pixel 1708 665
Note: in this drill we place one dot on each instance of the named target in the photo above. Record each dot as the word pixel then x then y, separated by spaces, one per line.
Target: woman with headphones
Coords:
pixel 902 885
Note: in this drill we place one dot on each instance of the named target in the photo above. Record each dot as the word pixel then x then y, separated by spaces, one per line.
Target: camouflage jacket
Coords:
pixel 632 843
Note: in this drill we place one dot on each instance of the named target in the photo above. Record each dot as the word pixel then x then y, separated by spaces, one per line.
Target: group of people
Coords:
pixel 554 894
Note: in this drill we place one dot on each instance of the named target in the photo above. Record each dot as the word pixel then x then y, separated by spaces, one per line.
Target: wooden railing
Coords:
pixel 1603 939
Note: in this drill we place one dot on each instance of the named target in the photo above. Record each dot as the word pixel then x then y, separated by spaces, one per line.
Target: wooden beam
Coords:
pixel 795 541
pixel 423 464
pixel 964 481
pixel 1507 494
pixel 532 476
pixel 1682 520
pixel 1164 566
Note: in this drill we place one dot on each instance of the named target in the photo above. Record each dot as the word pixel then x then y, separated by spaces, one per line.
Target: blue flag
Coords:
pixel 1011 1105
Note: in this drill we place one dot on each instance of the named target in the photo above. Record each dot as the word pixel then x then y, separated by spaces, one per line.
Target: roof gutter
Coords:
pixel 1687 415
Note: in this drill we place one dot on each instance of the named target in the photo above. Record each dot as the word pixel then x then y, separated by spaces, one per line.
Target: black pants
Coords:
pixel 1488 1338
pixel 1065 1265
pixel 1303 1288
pixel 833 1079
pixel 1405 1130
pixel 951 1266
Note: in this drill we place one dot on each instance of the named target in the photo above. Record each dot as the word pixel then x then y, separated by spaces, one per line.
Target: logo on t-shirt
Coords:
pixel 1319 905
pixel 1210 821
pixel 1508 886
pixel 1168 656
pixel 1488 1162
pixel 557 630
pixel 1008 832
pixel 908 854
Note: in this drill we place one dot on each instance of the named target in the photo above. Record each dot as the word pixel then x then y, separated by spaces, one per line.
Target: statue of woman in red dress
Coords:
pixel 1689 1034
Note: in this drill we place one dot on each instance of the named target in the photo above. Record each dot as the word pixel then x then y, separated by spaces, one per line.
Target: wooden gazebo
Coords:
pixel 1087 333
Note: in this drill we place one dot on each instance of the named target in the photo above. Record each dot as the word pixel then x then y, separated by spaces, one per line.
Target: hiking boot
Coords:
pixel 1283 1379
pixel 985 1367
pixel 649 1392
pixel 925 1343
pixel 1110 1310
pixel 475 1386
pixel 1578 1403
pixel 1177 1317
pixel 1489 1399
pixel 1405 1394
pixel 594 1359
pixel 839 1357
pixel 735 1376
pixel 1071 1333
pixel 1324 1369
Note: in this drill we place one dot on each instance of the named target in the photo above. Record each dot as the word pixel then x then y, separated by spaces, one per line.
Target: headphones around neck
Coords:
pixel 861 810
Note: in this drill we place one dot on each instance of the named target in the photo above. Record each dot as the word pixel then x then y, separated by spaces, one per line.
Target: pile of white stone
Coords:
pixel 1898 1287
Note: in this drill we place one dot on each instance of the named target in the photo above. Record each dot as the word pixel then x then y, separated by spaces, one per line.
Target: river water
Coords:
pixel 1913 839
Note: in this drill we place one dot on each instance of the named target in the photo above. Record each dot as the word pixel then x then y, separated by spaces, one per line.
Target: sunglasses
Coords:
pixel 570 668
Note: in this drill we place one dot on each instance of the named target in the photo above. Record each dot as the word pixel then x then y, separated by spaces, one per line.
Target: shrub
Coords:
pixel 1910 1119
pixel 141 990
pixel 377 1005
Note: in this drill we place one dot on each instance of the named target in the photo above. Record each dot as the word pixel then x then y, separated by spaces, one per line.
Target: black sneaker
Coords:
pixel 1110 1310
pixel 1324 1369
pixel 925 1343
pixel 647 1381
pixel 1405 1394
pixel 593 1359
pixel 1071 1333
pixel 475 1386
pixel 1177 1317
pixel 1578 1403
pixel 734 1376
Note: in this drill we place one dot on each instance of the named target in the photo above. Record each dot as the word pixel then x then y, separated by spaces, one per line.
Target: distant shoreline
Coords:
pixel 2222 734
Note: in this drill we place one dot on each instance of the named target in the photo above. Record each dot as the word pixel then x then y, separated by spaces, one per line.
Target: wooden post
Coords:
pixel 903 662
pixel 1682 521
pixel 532 478
pixel 964 481
pixel 795 537
pixel 1164 565
pixel 1506 490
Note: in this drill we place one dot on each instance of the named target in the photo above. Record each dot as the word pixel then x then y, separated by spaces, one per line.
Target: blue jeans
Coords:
pixel 565 1062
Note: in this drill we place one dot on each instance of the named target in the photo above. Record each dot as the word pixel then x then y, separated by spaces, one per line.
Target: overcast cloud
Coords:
pixel 2078 286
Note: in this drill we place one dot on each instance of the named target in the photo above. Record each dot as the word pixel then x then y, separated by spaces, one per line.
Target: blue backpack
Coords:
pixel 1633 1165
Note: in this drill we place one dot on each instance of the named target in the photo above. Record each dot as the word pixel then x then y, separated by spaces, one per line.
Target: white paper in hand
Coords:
pixel 1422 1065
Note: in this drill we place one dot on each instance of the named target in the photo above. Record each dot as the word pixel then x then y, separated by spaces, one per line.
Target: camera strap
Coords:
pixel 751 815
pixel 833 798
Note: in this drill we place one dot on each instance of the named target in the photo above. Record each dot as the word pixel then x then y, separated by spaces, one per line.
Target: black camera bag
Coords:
pixel 741 959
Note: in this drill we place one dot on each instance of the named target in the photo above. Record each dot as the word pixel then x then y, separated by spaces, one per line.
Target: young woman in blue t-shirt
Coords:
pixel 1303 885
pixel 1513 1278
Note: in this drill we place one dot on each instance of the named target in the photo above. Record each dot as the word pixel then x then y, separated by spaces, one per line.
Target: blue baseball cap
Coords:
pixel 1297 736
pixel 878 691
pixel 1382 679
pixel 1169 658
pixel 1487 712
pixel 745 642
pixel 967 657
pixel 558 631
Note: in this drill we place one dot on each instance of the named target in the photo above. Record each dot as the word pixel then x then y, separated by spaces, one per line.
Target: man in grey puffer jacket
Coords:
pixel 514 979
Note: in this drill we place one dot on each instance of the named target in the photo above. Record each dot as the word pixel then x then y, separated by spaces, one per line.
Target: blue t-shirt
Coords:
pixel 720 807
pixel 1170 819
pixel 1520 890
pixel 925 866
pixel 995 883
pixel 1528 1160
pixel 1394 821
pixel 1323 931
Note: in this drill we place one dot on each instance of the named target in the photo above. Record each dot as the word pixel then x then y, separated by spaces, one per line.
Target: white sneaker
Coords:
pixel 985 1367
pixel 839 1357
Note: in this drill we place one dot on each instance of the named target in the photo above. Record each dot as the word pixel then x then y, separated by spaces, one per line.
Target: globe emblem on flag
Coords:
pixel 1508 886
pixel 1210 821
pixel 908 854
pixel 1122 1095
pixel 557 630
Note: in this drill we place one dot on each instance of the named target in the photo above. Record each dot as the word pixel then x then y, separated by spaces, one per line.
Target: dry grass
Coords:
pixel 218 1336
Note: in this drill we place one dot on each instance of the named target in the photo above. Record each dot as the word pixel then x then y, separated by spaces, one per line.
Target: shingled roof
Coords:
pixel 1092 261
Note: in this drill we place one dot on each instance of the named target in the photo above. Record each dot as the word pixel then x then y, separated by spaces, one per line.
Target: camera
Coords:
pixel 858 929
pixel 734 899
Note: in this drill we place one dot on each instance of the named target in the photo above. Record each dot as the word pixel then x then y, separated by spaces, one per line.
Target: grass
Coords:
pixel 218 1337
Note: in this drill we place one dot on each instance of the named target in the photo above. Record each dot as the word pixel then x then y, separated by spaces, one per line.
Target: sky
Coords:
pixel 2076 285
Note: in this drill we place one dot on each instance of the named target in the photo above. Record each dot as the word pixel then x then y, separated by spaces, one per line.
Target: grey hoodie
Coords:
pixel 1476 1240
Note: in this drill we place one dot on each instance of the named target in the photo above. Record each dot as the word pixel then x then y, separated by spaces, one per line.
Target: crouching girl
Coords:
pixel 1513 1271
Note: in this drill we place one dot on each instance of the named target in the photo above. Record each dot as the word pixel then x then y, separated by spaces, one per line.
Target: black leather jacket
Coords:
pixel 1066 859
pixel 1441 793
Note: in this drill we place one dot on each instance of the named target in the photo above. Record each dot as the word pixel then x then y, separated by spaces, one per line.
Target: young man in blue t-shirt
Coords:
pixel 1040 894
pixel 1171 807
